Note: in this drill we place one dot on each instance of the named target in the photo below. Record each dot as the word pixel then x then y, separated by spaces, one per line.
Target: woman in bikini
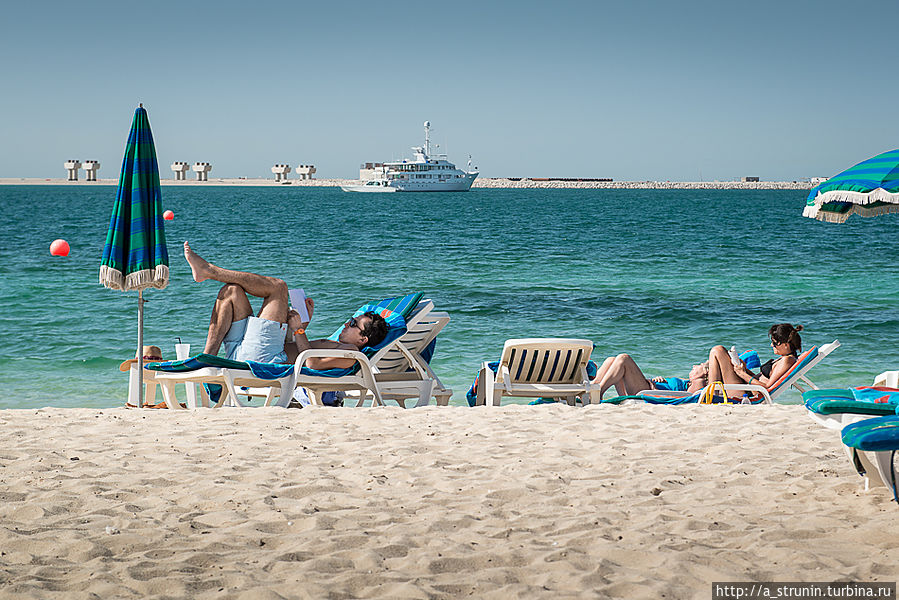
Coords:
pixel 786 343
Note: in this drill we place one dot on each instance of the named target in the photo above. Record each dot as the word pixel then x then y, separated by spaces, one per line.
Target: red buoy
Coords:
pixel 59 248
pixel 168 215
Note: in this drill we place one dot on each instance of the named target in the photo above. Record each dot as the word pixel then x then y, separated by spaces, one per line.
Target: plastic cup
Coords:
pixel 182 351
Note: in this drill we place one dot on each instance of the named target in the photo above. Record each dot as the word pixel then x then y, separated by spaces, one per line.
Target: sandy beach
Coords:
pixel 480 182
pixel 517 502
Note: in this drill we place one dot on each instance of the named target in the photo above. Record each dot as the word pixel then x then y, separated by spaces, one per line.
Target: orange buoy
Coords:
pixel 168 215
pixel 59 248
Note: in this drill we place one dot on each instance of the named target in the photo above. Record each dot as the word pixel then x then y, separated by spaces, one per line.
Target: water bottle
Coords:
pixel 734 356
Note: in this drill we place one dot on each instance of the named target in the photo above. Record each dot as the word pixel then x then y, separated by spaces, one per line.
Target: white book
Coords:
pixel 298 303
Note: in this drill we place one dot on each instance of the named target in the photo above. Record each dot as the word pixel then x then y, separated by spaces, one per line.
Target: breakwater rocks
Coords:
pixel 481 182
pixel 641 185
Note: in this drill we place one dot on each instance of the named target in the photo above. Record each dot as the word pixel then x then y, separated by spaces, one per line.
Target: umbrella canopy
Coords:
pixel 868 189
pixel 135 255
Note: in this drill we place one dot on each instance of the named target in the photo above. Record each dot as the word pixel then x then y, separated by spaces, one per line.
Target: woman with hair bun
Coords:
pixel 785 341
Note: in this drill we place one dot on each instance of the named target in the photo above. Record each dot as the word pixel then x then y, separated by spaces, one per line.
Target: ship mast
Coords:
pixel 427 139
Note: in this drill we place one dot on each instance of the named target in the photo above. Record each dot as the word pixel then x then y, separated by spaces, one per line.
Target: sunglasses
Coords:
pixel 354 322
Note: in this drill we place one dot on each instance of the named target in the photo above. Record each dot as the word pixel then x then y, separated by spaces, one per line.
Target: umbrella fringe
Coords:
pixel 878 195
pixel 113 278
pixel 814 212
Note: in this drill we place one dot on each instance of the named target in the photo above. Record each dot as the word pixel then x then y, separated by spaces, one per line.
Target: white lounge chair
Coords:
pixel 872 445
pixel 791 378
pixel 229 374
pixel 539 367
pixel 401 370
pixel 837 409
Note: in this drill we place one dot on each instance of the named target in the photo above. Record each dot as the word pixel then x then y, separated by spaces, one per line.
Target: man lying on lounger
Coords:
pixel 263 337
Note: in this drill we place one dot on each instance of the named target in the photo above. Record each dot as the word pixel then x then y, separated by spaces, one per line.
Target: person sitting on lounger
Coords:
pixel 786 343
pixel 263 337
pixel 622 372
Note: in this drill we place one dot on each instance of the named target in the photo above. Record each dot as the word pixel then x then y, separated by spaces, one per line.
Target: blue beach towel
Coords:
pixel 877 395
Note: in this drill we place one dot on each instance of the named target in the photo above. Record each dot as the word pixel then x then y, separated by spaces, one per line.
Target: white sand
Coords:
pixel 517 502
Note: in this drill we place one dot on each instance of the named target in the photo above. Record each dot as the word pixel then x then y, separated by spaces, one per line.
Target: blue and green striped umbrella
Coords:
pixel 868 189
pixel 135 256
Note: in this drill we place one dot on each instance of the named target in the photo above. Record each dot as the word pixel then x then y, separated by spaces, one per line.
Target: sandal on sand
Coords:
pixel 157 405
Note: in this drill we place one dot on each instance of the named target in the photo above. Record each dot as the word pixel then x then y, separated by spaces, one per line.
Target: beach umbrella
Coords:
pixel 135 256
pixel 870 188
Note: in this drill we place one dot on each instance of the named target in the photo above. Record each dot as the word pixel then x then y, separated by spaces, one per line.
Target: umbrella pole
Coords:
pixel 140 348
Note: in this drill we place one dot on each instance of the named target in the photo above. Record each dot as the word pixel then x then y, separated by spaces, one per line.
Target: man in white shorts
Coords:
pixel 263 337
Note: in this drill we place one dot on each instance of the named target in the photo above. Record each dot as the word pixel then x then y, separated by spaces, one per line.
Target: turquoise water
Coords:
pixel 661 274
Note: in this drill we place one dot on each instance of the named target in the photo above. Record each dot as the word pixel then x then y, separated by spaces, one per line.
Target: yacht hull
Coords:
pixel 370 189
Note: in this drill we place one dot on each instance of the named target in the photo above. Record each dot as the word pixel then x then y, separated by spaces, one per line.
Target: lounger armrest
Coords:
pixel 330 353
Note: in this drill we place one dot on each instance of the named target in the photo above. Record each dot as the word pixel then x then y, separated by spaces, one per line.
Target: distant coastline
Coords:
pixel 485 182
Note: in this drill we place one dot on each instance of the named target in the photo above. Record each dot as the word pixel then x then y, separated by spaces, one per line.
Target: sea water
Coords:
pixel 661 274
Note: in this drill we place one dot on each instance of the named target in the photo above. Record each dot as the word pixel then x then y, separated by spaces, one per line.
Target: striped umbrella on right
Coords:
pixel 868 189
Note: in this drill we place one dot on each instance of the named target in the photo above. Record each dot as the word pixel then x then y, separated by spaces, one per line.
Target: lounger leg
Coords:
pixel 443 397
pixel 168 392
pixel 315 397
pixel 485 386
pixel 150 395
pixel 425 391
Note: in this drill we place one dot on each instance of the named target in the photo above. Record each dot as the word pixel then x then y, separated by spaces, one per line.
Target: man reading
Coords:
pixel 263 337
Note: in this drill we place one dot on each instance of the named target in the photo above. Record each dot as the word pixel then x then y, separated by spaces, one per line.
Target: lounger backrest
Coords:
pixel 804 360
pixel 546 360
pixel 422 328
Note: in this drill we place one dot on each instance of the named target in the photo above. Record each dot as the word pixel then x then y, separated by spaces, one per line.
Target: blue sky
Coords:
pixel 641 90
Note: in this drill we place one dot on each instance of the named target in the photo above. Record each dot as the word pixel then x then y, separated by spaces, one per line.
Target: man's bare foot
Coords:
pixel 199 266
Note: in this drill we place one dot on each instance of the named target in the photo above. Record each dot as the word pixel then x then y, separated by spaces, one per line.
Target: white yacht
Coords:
pixel 426 172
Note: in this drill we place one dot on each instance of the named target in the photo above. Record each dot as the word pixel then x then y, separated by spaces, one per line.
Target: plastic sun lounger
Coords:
pixel 805 362
pixel 872 446
pixel 230 374
pixel 402 370
pixel 397 370
pixel 540 367
pixel 838 409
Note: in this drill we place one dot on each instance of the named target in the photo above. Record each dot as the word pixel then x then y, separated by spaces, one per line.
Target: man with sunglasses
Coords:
pixel 263 337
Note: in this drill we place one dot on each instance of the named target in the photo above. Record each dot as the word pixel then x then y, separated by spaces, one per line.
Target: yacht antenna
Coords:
pixel 427 138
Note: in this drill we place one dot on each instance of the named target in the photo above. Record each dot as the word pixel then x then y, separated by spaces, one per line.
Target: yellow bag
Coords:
pixel 708 396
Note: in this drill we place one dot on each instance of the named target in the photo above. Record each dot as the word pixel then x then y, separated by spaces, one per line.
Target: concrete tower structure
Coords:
pixel 72 165
pixel 305 171
pixel 180 169
pixel 90 170
pixel 202 170
pixel 281 172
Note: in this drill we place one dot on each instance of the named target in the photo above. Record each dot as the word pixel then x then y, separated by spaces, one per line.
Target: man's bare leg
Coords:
pixel 625 375
pixel 273 291
pixel 231 305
